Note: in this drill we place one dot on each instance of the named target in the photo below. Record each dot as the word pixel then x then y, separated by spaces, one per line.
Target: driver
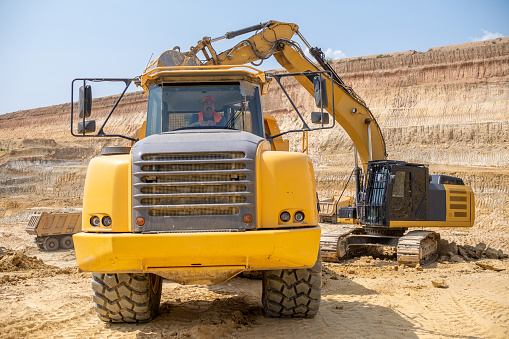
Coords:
pixel 208 116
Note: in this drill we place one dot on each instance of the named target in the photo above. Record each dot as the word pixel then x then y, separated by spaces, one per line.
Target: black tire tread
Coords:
pixel 292 293
pixel 125 297
pixel 64 242
pixel 52 240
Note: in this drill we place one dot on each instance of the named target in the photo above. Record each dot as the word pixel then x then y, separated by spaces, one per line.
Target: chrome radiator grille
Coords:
pixel 189 185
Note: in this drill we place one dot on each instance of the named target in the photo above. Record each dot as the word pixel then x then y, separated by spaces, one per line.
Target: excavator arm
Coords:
pixel 275 39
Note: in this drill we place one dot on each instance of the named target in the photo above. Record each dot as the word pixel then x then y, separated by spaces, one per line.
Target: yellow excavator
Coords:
pixel 208 189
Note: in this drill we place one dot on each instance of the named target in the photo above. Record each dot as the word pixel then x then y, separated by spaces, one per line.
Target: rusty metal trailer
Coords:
pixel 54 230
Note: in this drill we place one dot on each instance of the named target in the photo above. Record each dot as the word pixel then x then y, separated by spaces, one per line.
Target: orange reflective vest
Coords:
pixel 217 117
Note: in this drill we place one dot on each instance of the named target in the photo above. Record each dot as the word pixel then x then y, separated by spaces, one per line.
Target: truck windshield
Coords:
pixel 226 106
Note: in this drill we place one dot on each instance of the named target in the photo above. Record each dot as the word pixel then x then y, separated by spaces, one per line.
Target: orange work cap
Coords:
pixel 208 98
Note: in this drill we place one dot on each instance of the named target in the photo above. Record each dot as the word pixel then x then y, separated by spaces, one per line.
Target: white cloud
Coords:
pixel 337 54
pixel 329 54
pixel 488 35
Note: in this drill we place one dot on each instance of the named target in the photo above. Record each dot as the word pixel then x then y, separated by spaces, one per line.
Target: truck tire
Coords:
pixel 50 244
pixel 66 242
pixel 258 275
pixel 126 297
pixel 292 293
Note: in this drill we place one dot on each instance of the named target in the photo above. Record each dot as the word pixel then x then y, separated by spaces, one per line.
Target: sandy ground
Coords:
pixel 361 297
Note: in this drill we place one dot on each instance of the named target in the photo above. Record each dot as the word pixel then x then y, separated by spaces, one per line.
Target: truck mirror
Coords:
pixel 320 86
pixel 88 128
pixel 320 118
pixel 85 101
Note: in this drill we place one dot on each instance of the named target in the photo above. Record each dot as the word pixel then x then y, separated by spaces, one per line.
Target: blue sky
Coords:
pixel 46 44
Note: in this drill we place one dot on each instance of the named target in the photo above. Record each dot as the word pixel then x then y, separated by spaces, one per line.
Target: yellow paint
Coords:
pixel 243 52
pixel 253 250
pixel 141 134
pixel 285 182
pixel 465 205
pixel 272 128
pixel 305 142
pixel 353 124
pixel 193 74
pixel 346 221
pixel 108 192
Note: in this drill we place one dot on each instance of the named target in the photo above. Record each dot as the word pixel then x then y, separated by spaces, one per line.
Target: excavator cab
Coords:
pixel 395 190
pixel 400 194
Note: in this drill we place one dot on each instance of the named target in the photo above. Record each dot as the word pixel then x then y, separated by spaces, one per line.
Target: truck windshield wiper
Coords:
pixel 229 124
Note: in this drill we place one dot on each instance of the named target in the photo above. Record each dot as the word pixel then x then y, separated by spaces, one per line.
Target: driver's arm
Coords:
pixel 193 120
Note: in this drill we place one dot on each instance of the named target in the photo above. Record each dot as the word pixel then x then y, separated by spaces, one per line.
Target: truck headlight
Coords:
pixel 299 216
pixel 107 221
pixel 285 216
pixel 95 221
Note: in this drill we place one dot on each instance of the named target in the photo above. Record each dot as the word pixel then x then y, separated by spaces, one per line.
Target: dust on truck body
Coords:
pixel 54 230
pixel 199 205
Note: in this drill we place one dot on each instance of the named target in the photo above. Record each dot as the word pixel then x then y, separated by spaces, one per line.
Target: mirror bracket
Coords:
pixel 319 81
pixel 89 127
pixel 85 108
pixel 320 118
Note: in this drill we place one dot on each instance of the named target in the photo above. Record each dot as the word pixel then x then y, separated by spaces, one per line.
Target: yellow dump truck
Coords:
pixel 54 230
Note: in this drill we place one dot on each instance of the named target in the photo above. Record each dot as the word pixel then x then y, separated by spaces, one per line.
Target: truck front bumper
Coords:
pixel 208 257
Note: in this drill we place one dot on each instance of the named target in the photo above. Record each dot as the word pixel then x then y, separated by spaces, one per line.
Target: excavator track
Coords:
pixel 417 247
pixel 333 245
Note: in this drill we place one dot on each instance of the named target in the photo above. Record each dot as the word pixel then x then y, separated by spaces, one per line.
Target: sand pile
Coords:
pixel 11 261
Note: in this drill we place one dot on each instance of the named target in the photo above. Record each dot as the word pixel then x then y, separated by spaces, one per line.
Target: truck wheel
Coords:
pixel 126 297
pixel 292 293
pixel 66 242
pixel 51 244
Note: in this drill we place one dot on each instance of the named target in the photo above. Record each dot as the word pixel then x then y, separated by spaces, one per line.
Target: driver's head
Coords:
pixel 208 106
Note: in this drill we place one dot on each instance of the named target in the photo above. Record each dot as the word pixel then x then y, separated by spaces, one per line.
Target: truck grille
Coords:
pixel 192 184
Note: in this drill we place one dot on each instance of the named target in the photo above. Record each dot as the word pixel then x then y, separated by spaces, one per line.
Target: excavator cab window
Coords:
pixel 373 207
pixel 408 194
pixel 175 107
